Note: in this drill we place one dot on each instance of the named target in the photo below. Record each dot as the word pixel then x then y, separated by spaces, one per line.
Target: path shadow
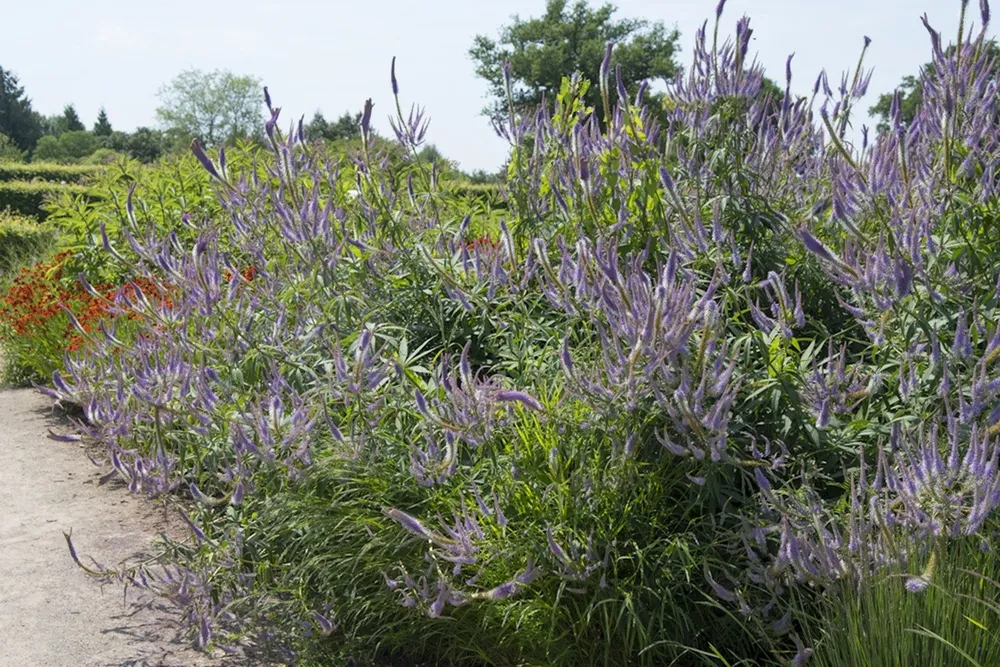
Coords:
pixel 154 643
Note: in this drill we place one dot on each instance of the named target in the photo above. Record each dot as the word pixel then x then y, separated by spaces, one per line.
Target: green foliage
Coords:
pixel 482 177
pixel 17 119
pixel 102 156
pixel 48 148
pixel 69 146
pixel 102 126
pixel 569 39
pixel 216 107
pixel 348 126
pixel 9 152
pixel 487 194
pixel 23 241
pixel 67 121
pixel 29 198
pixel 41 171
pixel 144 144
pixel 72 119
pixel 76 144
pixel 955 621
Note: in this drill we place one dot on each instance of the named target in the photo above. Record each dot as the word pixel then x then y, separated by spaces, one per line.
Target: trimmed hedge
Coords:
pixel 45 171
pixel 27 198
pixel 22 241
pixel 486 193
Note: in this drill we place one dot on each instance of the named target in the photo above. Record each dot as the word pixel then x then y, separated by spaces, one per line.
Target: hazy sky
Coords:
pixel 332 55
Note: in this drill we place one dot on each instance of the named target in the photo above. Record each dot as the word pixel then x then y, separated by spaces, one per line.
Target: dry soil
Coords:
pixel 51 613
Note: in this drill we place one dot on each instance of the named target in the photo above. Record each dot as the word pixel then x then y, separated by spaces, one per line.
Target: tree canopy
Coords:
pixel 102 126
pixel 541 51
pixel 73 122
pixel 216 106
pixel 348 126
pixel 9 152
pixel 17 119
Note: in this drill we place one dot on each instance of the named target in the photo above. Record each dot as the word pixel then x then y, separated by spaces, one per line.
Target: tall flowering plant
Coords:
pixel 691 362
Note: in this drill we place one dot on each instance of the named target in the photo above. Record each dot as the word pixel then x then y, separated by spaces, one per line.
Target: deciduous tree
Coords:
pixel 215 107
pixel 568 39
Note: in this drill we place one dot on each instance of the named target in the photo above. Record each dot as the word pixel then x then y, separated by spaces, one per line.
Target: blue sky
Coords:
pixel 332 55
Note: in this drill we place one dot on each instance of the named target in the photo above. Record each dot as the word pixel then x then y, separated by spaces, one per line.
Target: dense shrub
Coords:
pixel 29 198
pixel 694 398
pixel 22 241
pixel 41 171
pixel 485 193
pixel 68 146
pixel 9 151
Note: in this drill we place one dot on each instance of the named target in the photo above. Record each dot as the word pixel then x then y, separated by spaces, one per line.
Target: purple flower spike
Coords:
pixel 917 584
pixel 325 625
pixel 622 93
pixel 520 397
pixel 720 590
pixel 421 403
pixel 199 534
pixel 719 9
pixel 408 522
pixel 606 63
pixel 207 163
pixel 392 75
pixel 272 122
pixel 814 246
pixel 666 179
pixel 984 11
pixel 64 437
pixel 267 99
pixel 366 117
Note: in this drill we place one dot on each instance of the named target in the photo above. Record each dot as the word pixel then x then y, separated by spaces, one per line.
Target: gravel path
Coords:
pixel 51 613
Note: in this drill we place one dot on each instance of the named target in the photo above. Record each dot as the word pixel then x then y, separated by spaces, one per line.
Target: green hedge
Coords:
pixel 27 198
pixel 22 241
pixel 483 192
pixel 46 171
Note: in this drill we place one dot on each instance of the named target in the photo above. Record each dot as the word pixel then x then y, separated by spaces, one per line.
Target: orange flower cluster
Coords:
pixel 481 242
pixel 33 305
pixel 248 273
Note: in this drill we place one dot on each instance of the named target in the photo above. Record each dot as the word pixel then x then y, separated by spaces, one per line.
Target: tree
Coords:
pixel 9 152
pixel 146 144
pixel 73 123
pixel 911 89
pixel 910 93
pixel 542 51
pixel 48 149
pixel 68 146
pixel 346 127
pixel 53 126
pixel 76 144
pixel 17 119
pixel 215 107
pixel 102 126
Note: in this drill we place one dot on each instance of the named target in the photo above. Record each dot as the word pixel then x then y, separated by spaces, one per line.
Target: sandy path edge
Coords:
pixel 51 613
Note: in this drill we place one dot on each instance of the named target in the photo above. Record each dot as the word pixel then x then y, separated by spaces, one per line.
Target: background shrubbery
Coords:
pixel 23 241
